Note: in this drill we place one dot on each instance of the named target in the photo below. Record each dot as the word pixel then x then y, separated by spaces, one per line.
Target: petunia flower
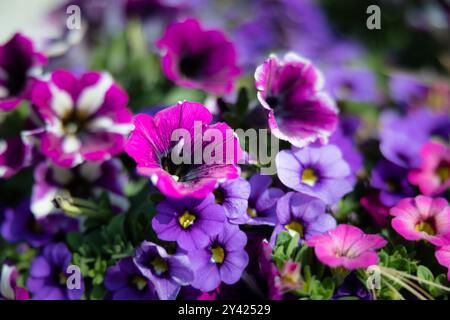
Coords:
pixel 190 222
pixel 87 181
pixel 85 118
pixel 347 246
pixel 183 131
pixel 194 57
pixel 408 90
pixel 9 289
pixel 125 281
pixel 233 196
pixel 377 210
pixel 49 275
pixel 15 154
pixel 222 260
pixel 433 176
pixel 166 272
pixel 443 257
pixel 302 215
pixel 18 62
pixel 20 225
pixel 423 218
pixel 318 171
pixel 299 110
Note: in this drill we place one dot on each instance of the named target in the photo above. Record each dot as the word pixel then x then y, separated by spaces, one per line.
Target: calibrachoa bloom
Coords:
pixel 423 218
pixel 299 110
pixel 87 181
pixel 18 60
pixel 302 215
pixel 183 130
pixel 318 171
pixel 49 275
pixel 233 196
pixel 125 281
pixel 190 222
pixel 347 246
pixel 197 58
pixel 85 117
pixel 222 260
pixel 443 257
pixel 377 210
pixel 433 176
pixel 14 155
pixel 9 290
pixel 166 272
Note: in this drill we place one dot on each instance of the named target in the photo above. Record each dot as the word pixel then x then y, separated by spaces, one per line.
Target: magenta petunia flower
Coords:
pixel 433 176
pixel 299 110
pixel 85 118
pixel 423 218
pixel 443 257
pixel 193 57
pixel 318 171
pixel 183 130
pixel 18 61
pixel 15 154
pixel 347 246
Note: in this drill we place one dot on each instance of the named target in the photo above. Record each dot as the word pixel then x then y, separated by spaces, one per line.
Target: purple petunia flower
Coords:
pixel 85 118
pixel 408 90
pixel 392 181
pixel 299 110
pixel 193 57
pixel 125 281
pixel 49 275
pixel 21 225
pixel 233 196
pixel 303 215
pixel 166 272
pixel 15 154
pixel 316 171
pixel 155 140
pixel 222 260
pixel 9 289
pixel 190 222
pixel 18 58
pixel 87 181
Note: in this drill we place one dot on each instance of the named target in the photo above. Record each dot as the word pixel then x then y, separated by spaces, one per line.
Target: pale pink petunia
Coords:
pixel 347 246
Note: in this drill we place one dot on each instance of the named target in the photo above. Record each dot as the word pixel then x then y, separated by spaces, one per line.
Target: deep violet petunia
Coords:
pixel 15 154
pixel 233 196
pixel 299 110
pixel 190 222
pixel 182 154
pixel 433 176
pixel 85 118
pixel 376 209
pixel 318 171
pixel 125 281
pixel 392 182
pixel 195 57
pixel 166 272
pixel 423 218
pixel 408 90
pixel 347 246
pixel 87 181
pixel 9 289
pixel 20 225
pixel 18 61
pixel 49 275
pixel 302 215
pixel 443 257
pixel 222 260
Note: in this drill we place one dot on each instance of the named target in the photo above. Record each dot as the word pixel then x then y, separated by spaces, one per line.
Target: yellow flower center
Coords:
pixel 252 212
pixel 443 172
pixel 159 265
pixel 296 227
pixel 186 220
pixel 218 194
pixel 139 282
pixel 426 227
pixel 309 177
pixel 218 255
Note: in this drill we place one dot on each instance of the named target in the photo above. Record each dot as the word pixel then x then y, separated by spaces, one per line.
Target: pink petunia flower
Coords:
pixel 85 118
pixel 193 57
pixel 433 176
pixel 423 218
pixel 347 246
pixel 443 257
pixel 299 110
pixel 183 131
